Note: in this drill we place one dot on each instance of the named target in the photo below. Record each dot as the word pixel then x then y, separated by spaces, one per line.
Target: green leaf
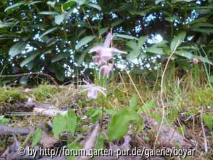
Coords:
pixel 208 120
pixel 205 60
pixel 69 4
pixel 84 41
pixel 59 19
pixel 142 40
pixel 116 23
pixel 62 123
pixel 17 49
pixel 3 25
pixel 15 6
pixel 59 74
pixel 132 44
pixel 119 123
pixel 74 146
pixel 146 107
pixel 95 6
pixel 100 142
pixel 32 56
pixel 94 114
pixel 155 50
pixel 59 57
pixel 125 36
pixel 177 41
pixel 133 104
pixel 49 31
pixel 133 55
pixel 81 57
pixel 48 13
pixel 36 137
pixel 103 30
pixel 185 54
pixel 4 121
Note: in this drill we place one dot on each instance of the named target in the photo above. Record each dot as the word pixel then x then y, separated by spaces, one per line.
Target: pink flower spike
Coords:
pixel 93 90
pixel 105 52
pixel 106 70
pixel 108 40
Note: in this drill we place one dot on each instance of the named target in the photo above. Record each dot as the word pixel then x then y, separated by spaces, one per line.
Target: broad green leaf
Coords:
pixel 17 49
pixel 185 54
pixel 32 3
pixel 4 121
pixel 133 104
pixel 81 57
pixel 69 4
pixel 3 25
pixel 103 30
pixel 132 44
pixel 175 1
pixel 59 73
pixel 48 13
pixel 205 60
pixel 177 41
pixel 74 146
pixel 49 31
pixel 59 57
pixel 62 123
pixel 146 107
pixel 116 23
pixel 142 40
pixel 125 36
pixel 59 19
pixel 155 50
pixel 84 41
pixel 171 19
pixel 36 137
pixel 15 6
pixel 133 55
pixel 95 6
pixel 119 124
pixel 32 56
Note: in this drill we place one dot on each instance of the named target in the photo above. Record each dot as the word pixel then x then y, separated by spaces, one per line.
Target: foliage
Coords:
pixel 48 36
pixel 36 137
pixel 4 120
pixel 62 123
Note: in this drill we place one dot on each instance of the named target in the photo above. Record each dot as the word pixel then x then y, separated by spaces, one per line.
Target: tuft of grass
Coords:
pixel 44 92
pixel 11 94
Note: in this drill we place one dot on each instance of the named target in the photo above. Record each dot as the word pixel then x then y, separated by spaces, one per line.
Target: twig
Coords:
pixel 6 129
pixel 161 92
pixel 135 88
pixel 127 95
pixel 31 74
pixel 88 21
pixel 203 130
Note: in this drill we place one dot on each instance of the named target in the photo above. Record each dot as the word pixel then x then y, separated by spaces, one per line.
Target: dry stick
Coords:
pixel 203 129
pixel 127 95
pixel 135 88
pixel 30 74
pixel 88 21
pixel 161 92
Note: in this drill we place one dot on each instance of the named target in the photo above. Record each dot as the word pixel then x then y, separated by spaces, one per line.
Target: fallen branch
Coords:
pixel 31 74
pixel 6 129
pixel 48 112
